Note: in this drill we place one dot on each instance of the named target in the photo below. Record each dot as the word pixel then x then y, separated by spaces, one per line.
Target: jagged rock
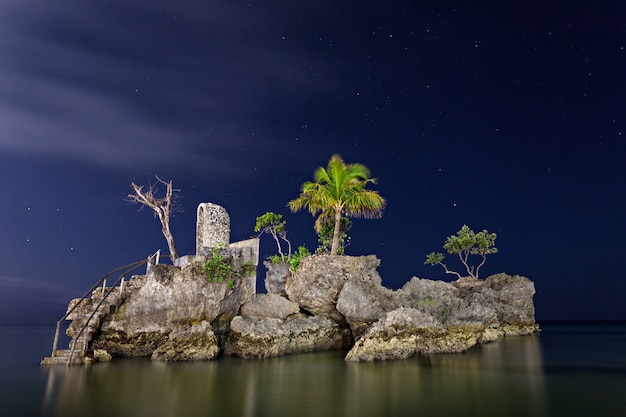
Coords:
pixel 276 276
pixel 511 297
pixel 255 338
pixel 474 312
pixel 175 314
pixel 438 298
pixel 190 343
pixel 316 284
pixel 81 308
pixel 269 306
pixel 101 355
pixel 501 302
pixel 120 343
pixel 171 297
pixel 519 329
pixel 394 336
pixel 362 302
pixel 405 332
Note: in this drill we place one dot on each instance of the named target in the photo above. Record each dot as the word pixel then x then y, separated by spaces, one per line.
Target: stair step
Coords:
pixel 85 337
pixel 87 315
pixel 79 344
pixel 61 360
pixel 65 353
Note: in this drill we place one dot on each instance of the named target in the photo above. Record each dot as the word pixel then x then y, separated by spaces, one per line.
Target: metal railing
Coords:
pixel 127 269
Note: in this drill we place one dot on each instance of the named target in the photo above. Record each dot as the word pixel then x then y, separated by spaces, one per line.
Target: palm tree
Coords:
pixel 336 190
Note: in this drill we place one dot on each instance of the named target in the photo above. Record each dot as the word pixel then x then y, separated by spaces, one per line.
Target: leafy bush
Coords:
pixel 219 268
pixel 296 257
pixel 275 259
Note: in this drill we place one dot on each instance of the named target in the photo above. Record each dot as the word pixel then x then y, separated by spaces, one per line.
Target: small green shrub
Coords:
pixel 218 268
pixel 275 259
pixel 247 268
pixel 300 253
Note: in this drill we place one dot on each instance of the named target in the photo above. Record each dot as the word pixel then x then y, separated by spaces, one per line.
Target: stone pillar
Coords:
pixel 212 227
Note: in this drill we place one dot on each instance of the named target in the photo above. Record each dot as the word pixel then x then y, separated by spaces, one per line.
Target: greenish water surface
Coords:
pixel 564 371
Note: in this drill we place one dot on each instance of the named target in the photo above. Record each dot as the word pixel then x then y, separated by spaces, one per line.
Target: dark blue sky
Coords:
pixel 504 116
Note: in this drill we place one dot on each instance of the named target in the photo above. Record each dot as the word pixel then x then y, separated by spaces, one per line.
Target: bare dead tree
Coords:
pixel 162 207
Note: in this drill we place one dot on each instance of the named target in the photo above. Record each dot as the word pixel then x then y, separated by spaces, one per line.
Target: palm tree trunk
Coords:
pixel 335 245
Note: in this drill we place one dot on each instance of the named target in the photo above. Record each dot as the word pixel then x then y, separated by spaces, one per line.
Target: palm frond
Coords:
pixel 339 188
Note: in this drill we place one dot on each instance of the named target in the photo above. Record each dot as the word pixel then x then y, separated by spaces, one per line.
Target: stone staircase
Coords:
pixel 86 315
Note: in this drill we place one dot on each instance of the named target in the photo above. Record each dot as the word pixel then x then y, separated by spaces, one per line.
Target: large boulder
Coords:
pixel 189 343
pixel 269 306
pixel 317 282
pixel 503 303
pixel 363 302
pixel 440 299
pixel 405 332
pixel 255 338
pixel 276 276
pixel 394 336
pixel 512 297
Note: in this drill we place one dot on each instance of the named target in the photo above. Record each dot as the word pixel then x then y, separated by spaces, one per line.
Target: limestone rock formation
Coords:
pixel 405 332
pixel 101 356
pixel 316 284
pixel 269 306
pixel 461 314
pixel 424 316
pixel 170 300
pixel 255 337
pixel 276 276
pixel 363 302
pixel 394 336
pixel 189 343
pixel 175 314
pixel 511 298
pixel 440 299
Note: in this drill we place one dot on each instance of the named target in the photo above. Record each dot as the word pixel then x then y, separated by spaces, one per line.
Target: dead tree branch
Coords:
pixel 162 207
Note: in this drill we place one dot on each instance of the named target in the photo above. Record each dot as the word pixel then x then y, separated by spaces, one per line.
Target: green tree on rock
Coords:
pixel 337 190
pixel 274 224
pixel 464 244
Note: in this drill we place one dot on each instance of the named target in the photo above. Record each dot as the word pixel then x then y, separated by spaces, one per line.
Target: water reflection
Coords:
pixel 502 378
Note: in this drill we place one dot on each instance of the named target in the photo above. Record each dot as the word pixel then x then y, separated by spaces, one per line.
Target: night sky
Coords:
pixel 506 116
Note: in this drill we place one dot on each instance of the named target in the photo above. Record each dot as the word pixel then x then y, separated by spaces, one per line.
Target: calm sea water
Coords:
pixel 567 370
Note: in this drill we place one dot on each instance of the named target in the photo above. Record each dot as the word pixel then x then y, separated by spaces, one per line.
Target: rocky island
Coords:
pixel 331 302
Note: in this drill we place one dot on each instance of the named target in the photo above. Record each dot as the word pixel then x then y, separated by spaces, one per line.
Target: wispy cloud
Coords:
pixel 83 82
pixel 27 301
pixel 10 287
